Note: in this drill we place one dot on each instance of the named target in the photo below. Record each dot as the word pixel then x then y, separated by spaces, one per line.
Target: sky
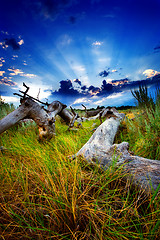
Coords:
pixel 91 52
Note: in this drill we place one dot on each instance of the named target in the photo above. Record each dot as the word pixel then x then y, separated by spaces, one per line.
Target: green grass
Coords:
pixel 5 108
pixel 143 133
pixel 47 195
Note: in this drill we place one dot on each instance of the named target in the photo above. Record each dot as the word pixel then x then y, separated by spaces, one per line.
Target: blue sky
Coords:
pixel 90 52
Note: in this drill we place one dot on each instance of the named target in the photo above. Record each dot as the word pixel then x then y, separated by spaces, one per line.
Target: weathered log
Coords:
pixel 100 149
pixel 66 115
pixel 91 113
pixel 100 114
pixel 44 118
pixel 30 109
pixel 59 108
pixel 110 112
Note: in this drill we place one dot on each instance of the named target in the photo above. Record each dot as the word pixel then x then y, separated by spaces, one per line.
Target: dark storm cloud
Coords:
pixel 104 73
pixel 116 86
pixel 91 88
pixel 83 88
pixel 77 81
pixel 120 81
pixel 66 88
pixel 12 43
pixel 106 86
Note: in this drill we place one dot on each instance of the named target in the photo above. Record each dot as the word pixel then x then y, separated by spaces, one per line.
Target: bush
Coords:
pixel 5 108
pixel 143 97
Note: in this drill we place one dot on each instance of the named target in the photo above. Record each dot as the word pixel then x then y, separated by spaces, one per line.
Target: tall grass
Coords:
pixel 143 133
pixel 5 108
pixel 143 130
pixel 144 99
pixel 47 195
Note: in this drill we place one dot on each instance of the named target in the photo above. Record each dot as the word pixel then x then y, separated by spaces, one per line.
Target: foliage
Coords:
pixel 143 97
pixel 47 195
pixel 5 108
pixel 142 131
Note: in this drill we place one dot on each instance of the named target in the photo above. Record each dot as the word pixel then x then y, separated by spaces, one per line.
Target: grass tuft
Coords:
pixel 47 195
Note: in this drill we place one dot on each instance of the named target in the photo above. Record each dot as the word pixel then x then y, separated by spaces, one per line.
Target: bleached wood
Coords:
pixel 44 118
pixel 100 149
pixel 30 109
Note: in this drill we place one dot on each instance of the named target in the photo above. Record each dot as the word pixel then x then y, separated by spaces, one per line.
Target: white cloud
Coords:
pixel 81 100
pixel 85 79
pixel 2 59
pixel 114 70
pixel 80 72
pixel 35 87
pixel 104 60
pixel 14 57
pixel 115 95
pixel 29 75
pixel 15 72
pixel 1 73
pixel 7 81
pixel 97 43
pixel 112 96
pixel 24 63
pixel 10 99
pixel 2 44
pixel 79 68
pixel 100 101
pixel 150 73
pixel 21 42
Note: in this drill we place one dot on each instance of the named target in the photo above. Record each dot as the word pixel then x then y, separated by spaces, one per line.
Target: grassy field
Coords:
pixel 44 194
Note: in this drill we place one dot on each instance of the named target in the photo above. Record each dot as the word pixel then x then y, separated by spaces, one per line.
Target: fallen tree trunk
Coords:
pixel 30 109
pixel 100 149
pixel 44 118
pixel 59 108
pixel 104 113
pixel 91 113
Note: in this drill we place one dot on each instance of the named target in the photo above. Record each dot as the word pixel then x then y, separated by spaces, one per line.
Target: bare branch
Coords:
pixel 34 98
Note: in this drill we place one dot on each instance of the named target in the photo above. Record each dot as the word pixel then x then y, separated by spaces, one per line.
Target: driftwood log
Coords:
pixel 44 118
pixel 100 149
pixel 100 114
pixel 32 110
pixel 59 108
pixel 91 113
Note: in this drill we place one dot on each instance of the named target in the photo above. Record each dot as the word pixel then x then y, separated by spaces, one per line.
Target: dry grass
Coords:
pixel 46 195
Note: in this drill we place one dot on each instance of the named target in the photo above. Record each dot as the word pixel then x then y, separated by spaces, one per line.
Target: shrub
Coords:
pixel 143 97
pixel 5 108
